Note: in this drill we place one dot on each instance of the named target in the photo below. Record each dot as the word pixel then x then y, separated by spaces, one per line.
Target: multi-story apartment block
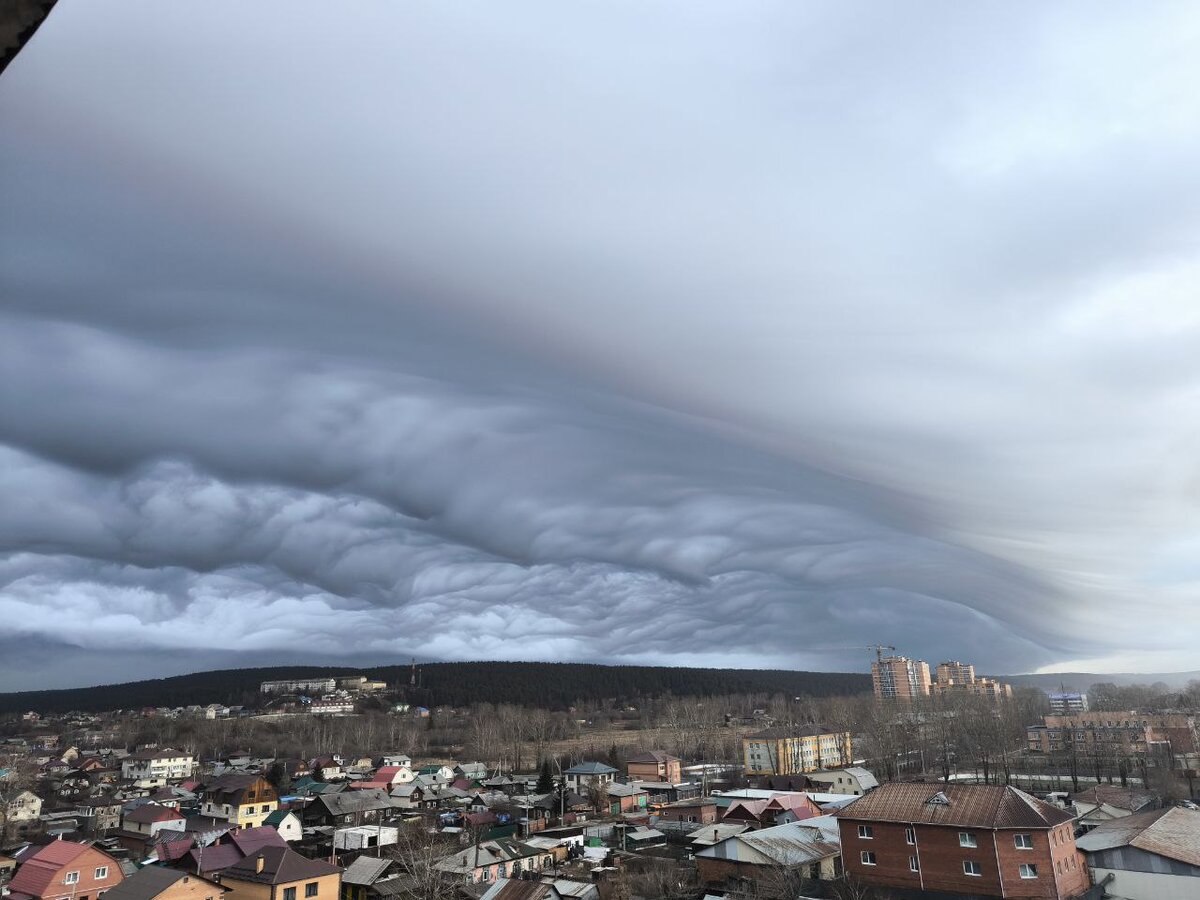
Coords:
pixel 157 767
pixel 1064 703
pixel 961 840
pixel 899 678
pixel 1129 733
pixel 299 686
pixel 955 671
pixel 795 750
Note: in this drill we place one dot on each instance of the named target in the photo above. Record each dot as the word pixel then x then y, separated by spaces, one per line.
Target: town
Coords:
pixel 938 783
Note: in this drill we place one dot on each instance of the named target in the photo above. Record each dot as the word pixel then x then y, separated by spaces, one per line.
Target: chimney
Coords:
pixel 258 864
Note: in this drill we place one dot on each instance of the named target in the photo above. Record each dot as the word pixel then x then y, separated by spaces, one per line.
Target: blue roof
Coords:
pixel 590 768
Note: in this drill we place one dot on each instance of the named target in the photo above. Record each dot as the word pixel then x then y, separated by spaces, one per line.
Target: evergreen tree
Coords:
pixel 614 758
pixel 545 782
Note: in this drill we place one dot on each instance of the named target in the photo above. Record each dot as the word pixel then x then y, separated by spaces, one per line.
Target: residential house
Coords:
pixel 776 810
pixel 64 870
pixel 159 883
pixel 1151 855
pixel 369 877
pixel 587 774
pixel 287 823
pixel 625 798
pixel 140 826
pixel 702 811
pixel 1106 802
pixel 329 767
pixel 475 772
pixel 408 796
pixel 385 778
pixel 396 759
pixel 853 780
pixel 786 750
pixel 242 800
pixel 148 819
pixel 976 839
pixel 489 860
pixel 519 889
pixel 280 873
pixel 21 812
pixel 346 808
pixel 230 848
pixel 811 849
pixel 654 765
pixel 157 767
pixel 98 815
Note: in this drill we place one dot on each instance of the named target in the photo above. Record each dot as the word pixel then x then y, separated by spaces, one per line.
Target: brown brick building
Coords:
pixel 654 765
pixel 974 839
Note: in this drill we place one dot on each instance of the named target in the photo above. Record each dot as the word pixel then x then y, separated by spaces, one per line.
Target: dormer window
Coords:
pixel 938 799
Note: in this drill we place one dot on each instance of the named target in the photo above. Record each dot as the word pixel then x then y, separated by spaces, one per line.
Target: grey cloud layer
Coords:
pixel 539 334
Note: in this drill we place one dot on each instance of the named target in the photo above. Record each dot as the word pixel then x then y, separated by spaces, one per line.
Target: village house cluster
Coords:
pixel 799 814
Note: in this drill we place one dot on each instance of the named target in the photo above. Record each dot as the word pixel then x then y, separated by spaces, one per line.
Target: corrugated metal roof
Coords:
pixel 1173 833
pixel 967 805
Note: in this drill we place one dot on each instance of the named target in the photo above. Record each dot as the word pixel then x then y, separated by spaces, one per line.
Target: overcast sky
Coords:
pixel 736 334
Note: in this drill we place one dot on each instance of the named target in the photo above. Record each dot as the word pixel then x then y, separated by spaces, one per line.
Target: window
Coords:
pixel 971 867
pixel 71 878
pixel 967 839
pixel 289 893
pixel 866 832
pixel 867 857
pixel 1028 870
pixel 250 810
pixel 310 889
pixel 914 864
pixel 910 835
pixel 101 872
pixel 1023 841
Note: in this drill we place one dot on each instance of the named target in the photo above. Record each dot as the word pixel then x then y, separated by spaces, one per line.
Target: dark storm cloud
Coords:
pixel 661 333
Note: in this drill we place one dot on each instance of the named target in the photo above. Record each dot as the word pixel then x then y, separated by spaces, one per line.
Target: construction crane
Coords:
pixel 879 648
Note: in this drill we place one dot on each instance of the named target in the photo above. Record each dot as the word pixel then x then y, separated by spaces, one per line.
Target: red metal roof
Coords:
pixel 968 805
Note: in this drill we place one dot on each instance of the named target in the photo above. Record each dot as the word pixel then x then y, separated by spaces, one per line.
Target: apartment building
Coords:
pixel 795 750
pixel 157 767
pixel 956 671
pixel 900 678
pixel 973 840
pixel 1127 733
pixel 299 686
pixel 1063 703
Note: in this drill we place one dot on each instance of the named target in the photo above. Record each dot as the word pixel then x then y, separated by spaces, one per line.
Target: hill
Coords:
pixel 547 685
pixel 1081 681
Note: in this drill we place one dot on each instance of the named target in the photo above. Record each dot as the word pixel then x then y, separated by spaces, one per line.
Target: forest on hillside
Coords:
pixel 553 686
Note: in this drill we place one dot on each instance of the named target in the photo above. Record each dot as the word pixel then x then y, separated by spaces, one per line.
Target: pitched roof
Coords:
pixel 653 756
pixel 968 805
pixel 590 768
pixel 1113 795
pixel 251 840
pixel 365 870
pixel 148 813
pixel 39 870
pixel 1173 833
pixel 149 882
pixel 792 844
pixel 281 865
pixel 515 889
pixel 347 802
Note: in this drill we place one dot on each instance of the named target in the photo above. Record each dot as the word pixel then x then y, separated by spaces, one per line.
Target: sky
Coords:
pixel 722 334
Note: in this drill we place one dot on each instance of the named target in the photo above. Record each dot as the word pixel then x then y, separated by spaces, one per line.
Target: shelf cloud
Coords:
pixel 680 334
